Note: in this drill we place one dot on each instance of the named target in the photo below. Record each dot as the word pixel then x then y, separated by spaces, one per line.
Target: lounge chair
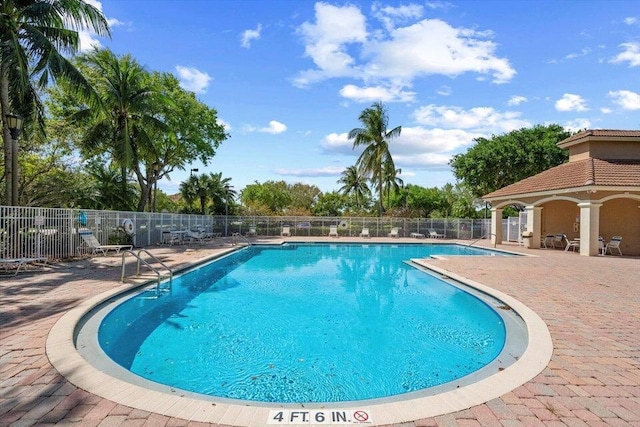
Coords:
pixel 196 235
pixel 285 231
pixel 365 233
pixel 614 244
pixel 559 241
pixel 433 234
pixel 21 262
pixel 333 231
pixel 393 232
pixel 92 243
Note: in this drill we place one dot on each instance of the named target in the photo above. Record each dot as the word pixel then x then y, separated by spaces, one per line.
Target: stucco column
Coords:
pixel 496 226
pixel 589 228
pixel 534 224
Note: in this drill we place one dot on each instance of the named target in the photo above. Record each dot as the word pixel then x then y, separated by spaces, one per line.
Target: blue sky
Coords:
pixel 289 78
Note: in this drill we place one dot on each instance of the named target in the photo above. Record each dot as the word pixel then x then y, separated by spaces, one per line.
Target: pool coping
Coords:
pixel 62 353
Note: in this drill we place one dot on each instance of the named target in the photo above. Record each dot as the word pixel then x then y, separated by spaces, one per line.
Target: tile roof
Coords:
pixel 581 173
pixel 613 133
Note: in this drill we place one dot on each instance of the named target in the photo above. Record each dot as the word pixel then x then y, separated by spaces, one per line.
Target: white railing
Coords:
pixel 54 233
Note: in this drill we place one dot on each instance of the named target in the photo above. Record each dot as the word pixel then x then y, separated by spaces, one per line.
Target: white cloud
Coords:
pixel 631 54
pixel 571 102
pixel 227 126
pixel 89 39
pixel 631 20
pixel 391 16
pixel 577 125
pixel 337 143
pixel 327 39
pixel 249 35
pixel 626 99
pixel 479 119
pixel 275 127
pixel 376 93
pixel 393 57
pixel 193 79
pixel 444 91
pixel 605 110
pixel 314 172
pixel 517 100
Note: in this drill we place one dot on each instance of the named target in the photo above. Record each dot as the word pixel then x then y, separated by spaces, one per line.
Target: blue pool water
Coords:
pixel 306 323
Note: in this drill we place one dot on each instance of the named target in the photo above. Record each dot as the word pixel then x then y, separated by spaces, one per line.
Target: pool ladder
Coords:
pixel 236 236
pixel 138 256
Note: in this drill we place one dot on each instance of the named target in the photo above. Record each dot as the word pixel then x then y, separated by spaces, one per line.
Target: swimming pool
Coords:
pixel 376 326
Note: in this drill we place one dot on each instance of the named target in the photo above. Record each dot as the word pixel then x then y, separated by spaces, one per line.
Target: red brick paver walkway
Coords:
pixel 590 304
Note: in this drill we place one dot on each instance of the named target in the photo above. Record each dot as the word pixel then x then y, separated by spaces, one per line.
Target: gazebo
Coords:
pixel 595 194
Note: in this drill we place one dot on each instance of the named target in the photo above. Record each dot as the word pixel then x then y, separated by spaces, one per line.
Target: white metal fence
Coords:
pixel 54 233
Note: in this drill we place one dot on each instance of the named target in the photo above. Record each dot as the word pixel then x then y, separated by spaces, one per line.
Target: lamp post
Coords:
pixel 194 170
pixel 14 124
pixel 226 208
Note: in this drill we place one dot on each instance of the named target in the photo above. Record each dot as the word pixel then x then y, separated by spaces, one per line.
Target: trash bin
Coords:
pixel 527 237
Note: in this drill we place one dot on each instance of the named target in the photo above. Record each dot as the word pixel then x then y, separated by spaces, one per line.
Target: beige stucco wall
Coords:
pixel 559 216
pixel 611 150
pixel 621 217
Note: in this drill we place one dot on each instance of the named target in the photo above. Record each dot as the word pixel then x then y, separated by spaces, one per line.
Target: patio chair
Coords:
pixel 433 234
pixel 169 238
pixel 285 231
pixel 252 232
pixel 92 243
pixel 614 244
pixel 333 231
pixel 394 232
pixel 365 233
pixel 21 262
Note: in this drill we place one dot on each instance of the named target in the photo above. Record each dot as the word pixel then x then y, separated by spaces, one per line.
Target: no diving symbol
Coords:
pixel 360 416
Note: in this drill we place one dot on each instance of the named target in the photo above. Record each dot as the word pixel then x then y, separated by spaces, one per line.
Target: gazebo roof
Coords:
pixel 590 172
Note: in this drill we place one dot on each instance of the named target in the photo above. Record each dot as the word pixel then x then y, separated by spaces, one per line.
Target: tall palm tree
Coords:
pixel 122 121
pixel 375 137
pixel 354 183
pixel 197 187
pixel 34 34
pixel 390 179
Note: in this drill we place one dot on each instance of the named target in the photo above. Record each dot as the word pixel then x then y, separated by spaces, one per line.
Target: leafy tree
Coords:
pixel 196 134
pixel 303 198
pixel 270 198
pixel 330 204
pixel 34 34
pixel 423 201
pixel 375 137
pixel 208 188
pixel 354 183
pixel 502 160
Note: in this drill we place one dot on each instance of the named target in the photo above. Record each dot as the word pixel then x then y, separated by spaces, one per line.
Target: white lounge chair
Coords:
pixel 92 243
pixel 560 241
pixel 285 231
pixel 21 262
pixel 333 231
pixel 196 235
pixel 394 232
pixel 614 244
pixel 433 234
pixel 365 233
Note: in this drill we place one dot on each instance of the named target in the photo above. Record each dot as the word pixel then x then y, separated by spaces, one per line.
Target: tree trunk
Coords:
pixel 6 137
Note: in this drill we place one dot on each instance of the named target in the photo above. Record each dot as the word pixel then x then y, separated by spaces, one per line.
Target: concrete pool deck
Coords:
pixel 590 304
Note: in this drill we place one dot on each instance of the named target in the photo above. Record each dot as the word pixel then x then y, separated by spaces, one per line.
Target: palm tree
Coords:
pixel 354 183
pixel 196 188
pixel 33 33
pixel 122 121
pixel 375 137
pixel 390 179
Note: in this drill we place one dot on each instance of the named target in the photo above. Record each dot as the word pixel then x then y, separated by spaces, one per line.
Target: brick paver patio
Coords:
pixel 590 304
